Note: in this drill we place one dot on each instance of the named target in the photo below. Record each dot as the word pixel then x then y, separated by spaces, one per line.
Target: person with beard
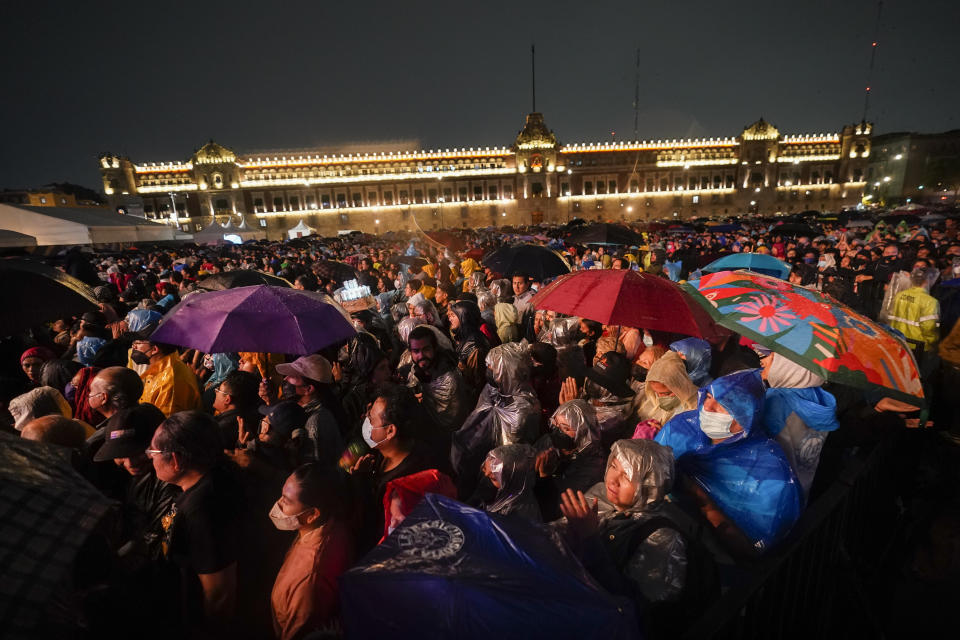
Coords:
pixel 575 458
pixel 311 378
pixel 435 377
pixel 168 383
pixel 472 346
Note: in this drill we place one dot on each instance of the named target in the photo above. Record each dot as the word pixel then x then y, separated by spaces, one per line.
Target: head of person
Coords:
pixel 240 390
pixel 279 421
pixel 404 493
pixel 731 405
pixel 521 283
pixel 127 438
pixel 543 360
pixel 590 329
pixel 37 403
pixel 144 351
pixel 185 445
pixel 573 426
pixel 59 373
pixel 113 389
pixel 697 357
pixel 306 282
pixel 311 496
pixel 510 468
pixel 308 375
pixel 639 475
pixel 445 293
pixel 668 386
pixel 781 373
pixel 464 317
pixel 57 430
pixel 606 344
pixel 32 361
pixel 391 420
pixel 412 287
pixel 608 377
pixel 508 367
pixel 424 347
pixel 891 252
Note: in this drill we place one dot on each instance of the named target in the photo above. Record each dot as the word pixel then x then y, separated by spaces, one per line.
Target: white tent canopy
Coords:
pixel 300 231
pixel 81 225
pixel 217 233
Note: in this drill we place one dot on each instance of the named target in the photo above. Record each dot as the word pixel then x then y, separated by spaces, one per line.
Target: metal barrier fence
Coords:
pixel 831 553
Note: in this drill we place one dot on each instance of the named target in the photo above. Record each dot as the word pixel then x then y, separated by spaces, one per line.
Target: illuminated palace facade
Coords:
pixel 536 179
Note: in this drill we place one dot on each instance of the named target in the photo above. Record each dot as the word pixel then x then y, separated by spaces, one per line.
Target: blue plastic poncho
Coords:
pixel 747 475
pixel 450 571
pixel 141 318
pixel 87 349
pixel 223 364
pixel 697 358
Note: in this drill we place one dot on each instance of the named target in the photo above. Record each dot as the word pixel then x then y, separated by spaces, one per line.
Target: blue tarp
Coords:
pixel 451 571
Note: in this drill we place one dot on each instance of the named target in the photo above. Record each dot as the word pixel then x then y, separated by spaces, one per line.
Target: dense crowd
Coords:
pixel 247 483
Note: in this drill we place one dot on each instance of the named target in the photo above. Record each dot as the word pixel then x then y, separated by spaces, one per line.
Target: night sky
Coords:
pixel 155 80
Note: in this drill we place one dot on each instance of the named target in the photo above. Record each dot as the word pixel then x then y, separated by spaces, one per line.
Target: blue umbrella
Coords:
pixel 259 318
pixel 450 571
pixel 757 262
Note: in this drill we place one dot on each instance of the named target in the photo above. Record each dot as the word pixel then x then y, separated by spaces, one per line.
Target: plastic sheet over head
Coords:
pixel 512 466
pixel 562 332
pixel 648 465
pixel 697 357
pixel 406 325
pixel 580 416
pixel 510 364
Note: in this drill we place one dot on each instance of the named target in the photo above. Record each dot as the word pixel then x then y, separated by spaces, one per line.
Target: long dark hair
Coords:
pixel 322 487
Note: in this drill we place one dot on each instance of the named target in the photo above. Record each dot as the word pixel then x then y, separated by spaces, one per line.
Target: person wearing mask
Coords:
pixel 590 332
pixel 797 413
pixel 437 379
pixel 697 357
pixel 203 530
pixel 112 390
pixel 510 470
pixel 312 378
pixel 472 346
pixel 236 399
pixel 575 460
pixel 668 391
pixel 624 532
pixel 305 596
pixel 146 499
pixel 168 383
pixel 739 478
pixel 390 431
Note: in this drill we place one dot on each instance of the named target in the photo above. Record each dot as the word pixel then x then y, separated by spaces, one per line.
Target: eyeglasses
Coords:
pixel 154 452
pixel 219 390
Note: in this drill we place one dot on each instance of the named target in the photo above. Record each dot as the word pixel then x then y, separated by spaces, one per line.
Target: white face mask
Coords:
pixel 282 521
pixel 715 425
pixel 367 432
pixel 647 340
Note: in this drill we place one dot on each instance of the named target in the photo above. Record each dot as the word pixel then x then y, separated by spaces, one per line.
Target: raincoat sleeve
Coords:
pixel 445 400
pixel 658 567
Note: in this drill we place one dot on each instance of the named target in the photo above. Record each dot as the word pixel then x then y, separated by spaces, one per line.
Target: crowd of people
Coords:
pixel 247 483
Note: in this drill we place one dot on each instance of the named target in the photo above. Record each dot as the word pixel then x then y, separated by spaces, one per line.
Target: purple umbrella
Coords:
pixel 258 318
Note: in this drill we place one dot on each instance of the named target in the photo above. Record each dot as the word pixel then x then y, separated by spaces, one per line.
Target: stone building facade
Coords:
pixel 536 179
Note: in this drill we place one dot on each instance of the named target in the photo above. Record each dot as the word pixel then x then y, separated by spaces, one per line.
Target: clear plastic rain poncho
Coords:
pixel 563 335
pixel 670 372
pixel 502 288
pixel 580 416
pixel 658 566
pixel 512 466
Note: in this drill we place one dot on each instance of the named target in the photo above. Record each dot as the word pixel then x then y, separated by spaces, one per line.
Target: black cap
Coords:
pixel 128 432
pixel 285 416
pixel 611 373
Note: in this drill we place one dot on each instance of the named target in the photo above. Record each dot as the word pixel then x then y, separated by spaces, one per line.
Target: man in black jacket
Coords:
pixel 236 397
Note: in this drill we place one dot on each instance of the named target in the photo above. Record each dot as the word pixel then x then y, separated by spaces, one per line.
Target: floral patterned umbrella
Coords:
pixel 810 329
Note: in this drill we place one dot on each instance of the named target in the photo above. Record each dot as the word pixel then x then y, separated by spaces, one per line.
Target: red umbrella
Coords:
pixel 445 239
pixel 627 298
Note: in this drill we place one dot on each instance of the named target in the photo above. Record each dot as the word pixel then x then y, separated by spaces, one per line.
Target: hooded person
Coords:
pixel 798 414
pixel 471 344
pixel 631 546
pixel 507 412
pixel 39 402
pixel 32 361
pixel 365 367
pixel 697 357
pixel 668 391
pixel 562 334
pixel 486 301
pixel 420 307
pixel 403 494
pixel 404 327
pixel 508 322
pixel 575 460
pixel 739 477
pixel 607 389
pixel 510 469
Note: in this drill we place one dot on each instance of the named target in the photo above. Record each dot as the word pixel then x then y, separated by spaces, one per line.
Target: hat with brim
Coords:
pixel 128 433
pixel 285 416
pixel 611 373
pixel 314 367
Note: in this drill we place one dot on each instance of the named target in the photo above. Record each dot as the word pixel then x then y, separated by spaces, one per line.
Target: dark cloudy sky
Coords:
pixel 154 80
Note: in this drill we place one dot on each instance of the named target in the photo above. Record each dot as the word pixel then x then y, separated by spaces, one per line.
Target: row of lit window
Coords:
pixel 403 197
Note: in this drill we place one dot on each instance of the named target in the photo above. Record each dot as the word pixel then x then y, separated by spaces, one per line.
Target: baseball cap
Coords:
pixel 129 432
pixel 314 367
pixel 285 416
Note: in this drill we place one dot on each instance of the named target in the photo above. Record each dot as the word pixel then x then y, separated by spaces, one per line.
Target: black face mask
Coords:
pixel 639 373
pixel 139 357
pixel 288 390
pixel 561 440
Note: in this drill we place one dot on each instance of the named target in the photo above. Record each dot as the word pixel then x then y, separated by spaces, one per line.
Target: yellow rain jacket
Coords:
pixel 170 386
pixel 916 314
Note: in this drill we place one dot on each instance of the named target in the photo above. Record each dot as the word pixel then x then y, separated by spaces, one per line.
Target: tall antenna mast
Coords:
pixel 873 57
pixel 533 76
pixel 636 99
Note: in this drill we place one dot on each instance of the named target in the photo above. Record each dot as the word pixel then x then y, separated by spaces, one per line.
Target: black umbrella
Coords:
pixel 605 233
pixel 339 272
pixel 413 261
pixel 297 243
pixel 794 229
pixel 537 262
pixel 33 292
pixel 47 512
pixel 240 278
